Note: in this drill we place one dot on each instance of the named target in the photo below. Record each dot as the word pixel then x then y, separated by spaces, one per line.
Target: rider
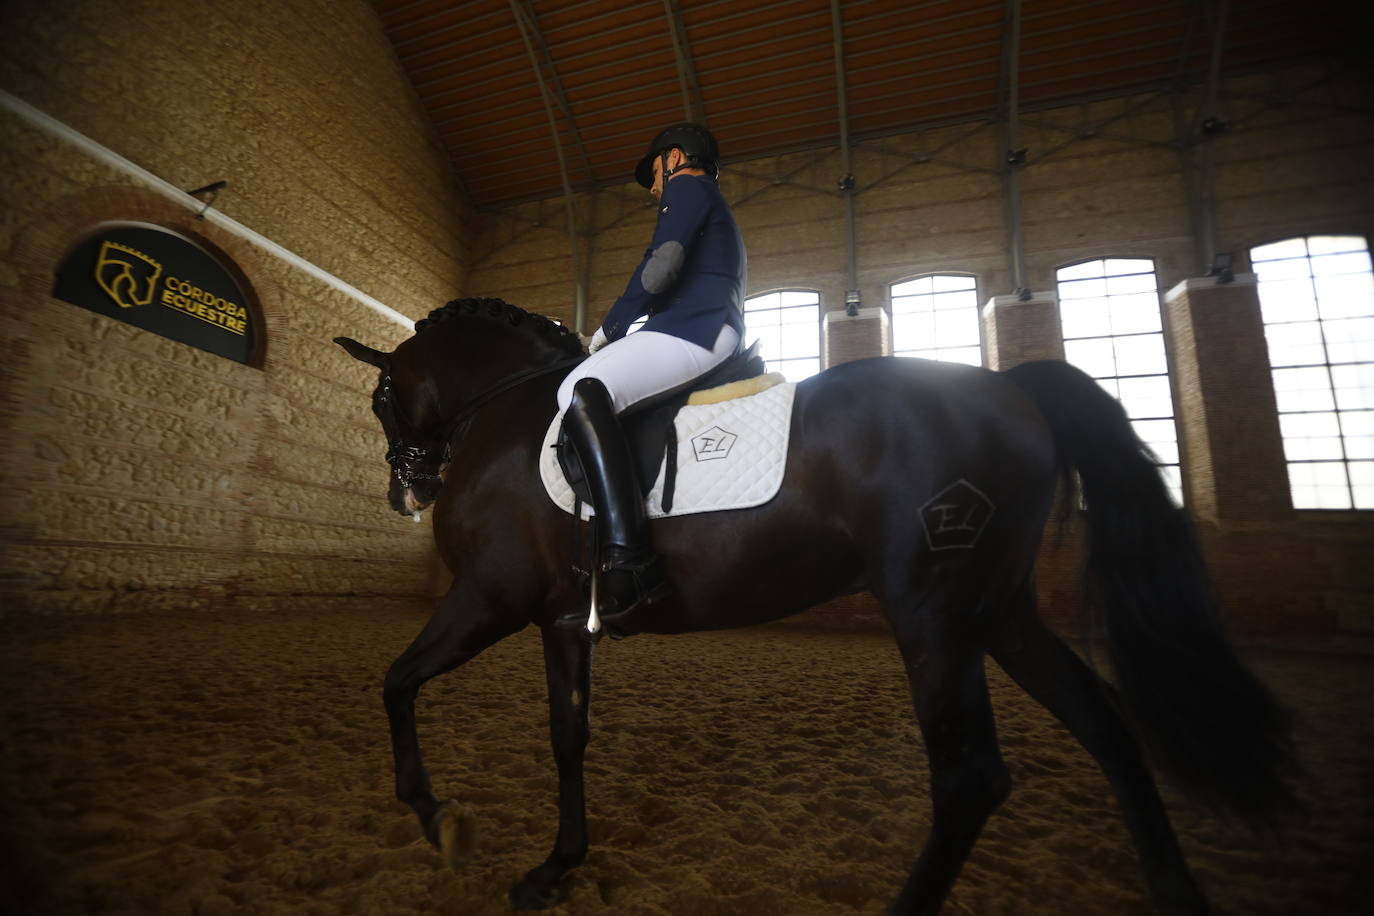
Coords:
pixel 691 285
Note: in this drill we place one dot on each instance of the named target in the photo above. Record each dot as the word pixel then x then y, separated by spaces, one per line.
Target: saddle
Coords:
pixel 650 431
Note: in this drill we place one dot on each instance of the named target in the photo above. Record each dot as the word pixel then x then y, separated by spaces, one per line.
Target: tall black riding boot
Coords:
pixel 630 572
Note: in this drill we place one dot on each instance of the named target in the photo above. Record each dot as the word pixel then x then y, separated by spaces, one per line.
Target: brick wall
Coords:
pixel 139 472
pixel 1104 179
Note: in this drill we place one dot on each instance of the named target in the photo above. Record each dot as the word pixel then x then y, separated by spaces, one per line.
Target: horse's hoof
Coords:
pixel 456 827
pixel 529 895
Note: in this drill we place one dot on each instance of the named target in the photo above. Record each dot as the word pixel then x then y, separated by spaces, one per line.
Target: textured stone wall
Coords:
pixel 139 472
pixel 1105 179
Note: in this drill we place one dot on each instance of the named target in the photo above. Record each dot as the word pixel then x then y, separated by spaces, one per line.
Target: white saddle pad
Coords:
pixel 730 455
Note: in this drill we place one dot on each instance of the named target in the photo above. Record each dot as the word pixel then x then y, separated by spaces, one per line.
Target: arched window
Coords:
pixel 788 324
pixel 1317 299
pixel 1109 315
pixel 936 317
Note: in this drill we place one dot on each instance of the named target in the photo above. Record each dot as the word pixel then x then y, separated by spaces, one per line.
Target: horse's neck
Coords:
pixel 478 363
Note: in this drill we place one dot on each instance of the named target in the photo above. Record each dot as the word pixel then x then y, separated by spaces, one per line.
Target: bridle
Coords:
pixel 407 460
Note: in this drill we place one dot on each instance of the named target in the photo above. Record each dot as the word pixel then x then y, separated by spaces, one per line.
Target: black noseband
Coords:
pixel 406 462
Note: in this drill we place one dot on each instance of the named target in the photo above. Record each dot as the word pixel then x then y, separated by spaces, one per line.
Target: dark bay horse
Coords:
pixel 927 484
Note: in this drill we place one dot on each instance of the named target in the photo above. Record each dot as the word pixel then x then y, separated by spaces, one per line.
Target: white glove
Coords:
pixel 598 341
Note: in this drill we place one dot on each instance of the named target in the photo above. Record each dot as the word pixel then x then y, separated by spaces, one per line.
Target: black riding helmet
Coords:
pixel 696 143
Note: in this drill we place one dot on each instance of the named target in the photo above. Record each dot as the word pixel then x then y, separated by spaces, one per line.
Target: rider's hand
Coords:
pixel 598 341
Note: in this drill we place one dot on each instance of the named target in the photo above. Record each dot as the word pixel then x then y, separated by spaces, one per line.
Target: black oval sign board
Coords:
pixel 163 282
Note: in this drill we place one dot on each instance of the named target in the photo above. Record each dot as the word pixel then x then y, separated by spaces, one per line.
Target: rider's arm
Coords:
pixel 683 211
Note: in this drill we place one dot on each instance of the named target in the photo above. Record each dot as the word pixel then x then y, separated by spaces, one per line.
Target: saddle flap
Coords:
pixel 649 425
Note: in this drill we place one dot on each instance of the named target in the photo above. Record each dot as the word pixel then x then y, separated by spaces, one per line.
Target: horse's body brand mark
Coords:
pixel 956 516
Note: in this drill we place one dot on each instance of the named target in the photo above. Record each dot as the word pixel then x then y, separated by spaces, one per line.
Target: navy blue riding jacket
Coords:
pixel 691 280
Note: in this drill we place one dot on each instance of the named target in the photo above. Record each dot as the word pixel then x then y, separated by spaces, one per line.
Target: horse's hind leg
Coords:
pixel 968 779
pixel 568 667
pixel 1058 679
pixel 459 630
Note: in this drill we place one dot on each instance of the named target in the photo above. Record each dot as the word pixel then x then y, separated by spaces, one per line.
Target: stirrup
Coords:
pixel 645 577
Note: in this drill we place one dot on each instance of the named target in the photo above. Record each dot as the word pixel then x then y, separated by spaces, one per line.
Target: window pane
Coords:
pixel 1350 341
pixel 1160 436
pixel 1288 248
pixel 1358 428
pixel 1327 244
pixel 913 331
pixel 1079 271
pixel 769 339
pixel 1082 289
pixel 1288 300
pixel 1345 296
pixel 972 356
pixel 1330 265
pixel 802 314
pixel 1313 449
pixel 1362 482
pixel 1135 314
pixel 1130 266
pixel 1094 356
pixel 1173 479
pixel 798 297
pixel 1295 344
pixel 797 369
pixel 763 301
pixel 1320 485
pixel 1302 425
pixel 1134 283
pixel 911 287
pixel 1085 317
pixel 1142 355
pixel 1146 398
pixel 1289 269
pixel 946 282
pixel 957 328
pixel 800 340
pixel 1354 386
pixel 955 300
pixel 1303 389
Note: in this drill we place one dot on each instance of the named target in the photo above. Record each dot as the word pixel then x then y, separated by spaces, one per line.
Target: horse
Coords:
pixel 927 484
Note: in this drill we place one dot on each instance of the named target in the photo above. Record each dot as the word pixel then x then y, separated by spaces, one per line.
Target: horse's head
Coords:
pixel 407 405
pixel 462 356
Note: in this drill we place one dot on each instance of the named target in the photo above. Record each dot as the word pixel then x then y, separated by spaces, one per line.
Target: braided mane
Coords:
pixel 498 311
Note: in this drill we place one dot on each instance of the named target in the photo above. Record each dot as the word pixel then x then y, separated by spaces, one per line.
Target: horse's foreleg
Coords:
pixel 1057 678
pixel 459 630
pixel 968 778
pixel 567 664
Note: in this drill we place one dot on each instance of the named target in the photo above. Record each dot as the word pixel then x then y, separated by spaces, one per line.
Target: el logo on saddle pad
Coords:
pixel 713 444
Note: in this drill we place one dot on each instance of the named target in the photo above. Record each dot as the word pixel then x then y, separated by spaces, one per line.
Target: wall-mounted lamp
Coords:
pixel 1221 267
pixel 852 303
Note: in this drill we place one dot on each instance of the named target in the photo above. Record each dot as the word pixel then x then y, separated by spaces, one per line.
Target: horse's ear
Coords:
pixel 363 352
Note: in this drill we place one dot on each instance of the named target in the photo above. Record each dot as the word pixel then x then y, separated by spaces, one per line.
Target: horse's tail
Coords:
pixel 1210 725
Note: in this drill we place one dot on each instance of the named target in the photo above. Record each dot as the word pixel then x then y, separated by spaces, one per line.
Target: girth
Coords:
pixel 650 431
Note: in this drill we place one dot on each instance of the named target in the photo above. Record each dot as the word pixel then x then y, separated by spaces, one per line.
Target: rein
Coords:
pixel 400 453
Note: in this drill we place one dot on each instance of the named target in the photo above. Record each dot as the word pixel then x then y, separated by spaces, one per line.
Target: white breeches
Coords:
pixel 647 363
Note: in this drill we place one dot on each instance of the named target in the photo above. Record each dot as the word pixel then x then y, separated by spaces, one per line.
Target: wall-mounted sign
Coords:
pixel 161 281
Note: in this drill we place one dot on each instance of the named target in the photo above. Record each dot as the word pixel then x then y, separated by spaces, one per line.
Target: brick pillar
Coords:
pixel 1017 332
pixel 846 337
pixel 1233 462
